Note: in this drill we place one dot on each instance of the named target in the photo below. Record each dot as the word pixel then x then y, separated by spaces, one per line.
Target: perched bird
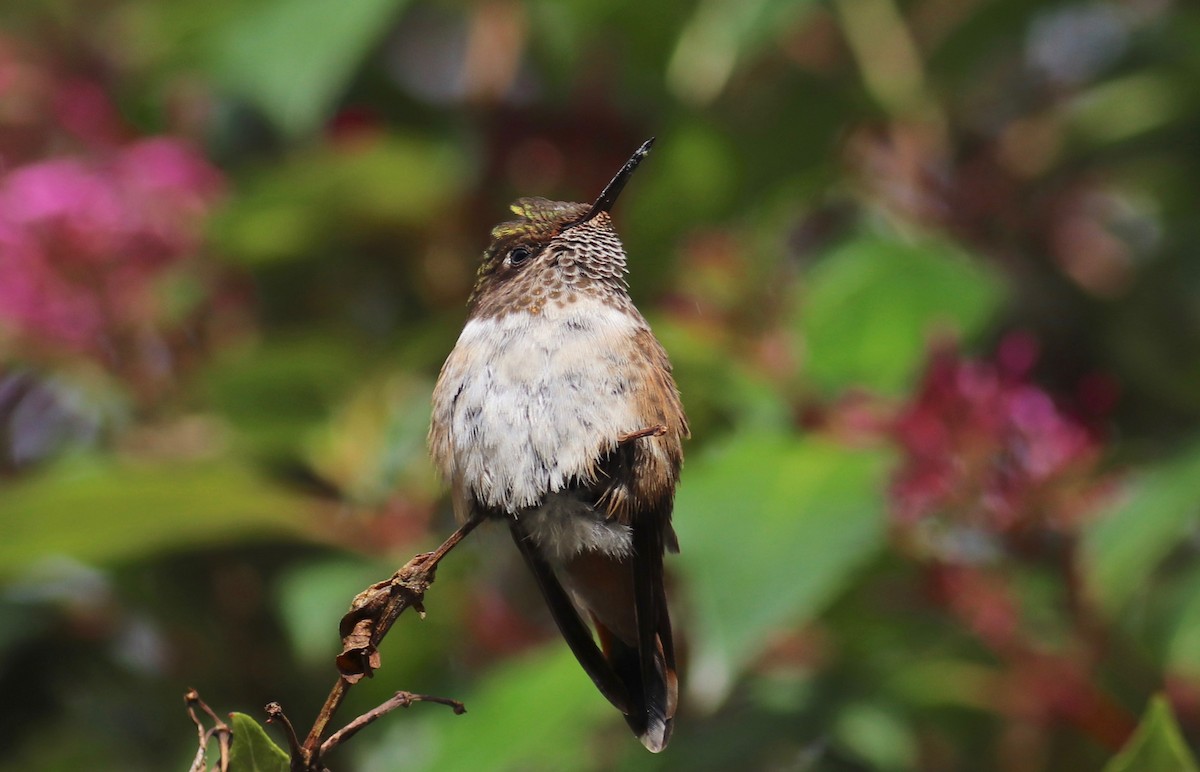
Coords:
pixel 556 412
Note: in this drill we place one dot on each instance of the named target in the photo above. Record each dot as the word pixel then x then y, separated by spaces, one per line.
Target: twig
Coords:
pixel 220 730
pixel 224 736
pixel 200 761
pixel 399 700
pixel 275 715
pixel 371 616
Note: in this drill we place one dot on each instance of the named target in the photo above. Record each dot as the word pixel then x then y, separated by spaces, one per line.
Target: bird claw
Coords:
pixel 651 431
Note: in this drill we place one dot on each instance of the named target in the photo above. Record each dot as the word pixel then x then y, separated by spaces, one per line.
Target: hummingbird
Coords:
pixel 556 413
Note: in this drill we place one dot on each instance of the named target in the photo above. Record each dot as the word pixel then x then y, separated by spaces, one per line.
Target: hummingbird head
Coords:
pixel 554 254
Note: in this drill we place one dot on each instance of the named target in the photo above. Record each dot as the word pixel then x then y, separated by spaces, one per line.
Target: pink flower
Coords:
pixel 984 447
pixel 83 242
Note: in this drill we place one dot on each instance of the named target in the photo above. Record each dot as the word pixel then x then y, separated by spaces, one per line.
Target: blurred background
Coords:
pixel 926 269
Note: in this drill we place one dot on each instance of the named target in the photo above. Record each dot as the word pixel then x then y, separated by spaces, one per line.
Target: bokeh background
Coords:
pixel 927 270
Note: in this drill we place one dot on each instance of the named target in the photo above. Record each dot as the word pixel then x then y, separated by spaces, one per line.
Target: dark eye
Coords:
pixel 518 255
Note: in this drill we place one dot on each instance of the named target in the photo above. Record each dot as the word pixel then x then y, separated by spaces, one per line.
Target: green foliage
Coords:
pixel 374 443
pixel 1157 746
pixel 252 750
pixel 294 57
pixel 319 591
pixel 1132 537
pixel 327 198
pixel 877 737
pixel 763 502
pixel 277 395
pixel 1179 609
pixel 102 511
pixel 871 307
pixel 532 713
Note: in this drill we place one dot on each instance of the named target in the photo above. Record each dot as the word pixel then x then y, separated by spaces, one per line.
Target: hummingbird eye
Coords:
pixel 518 255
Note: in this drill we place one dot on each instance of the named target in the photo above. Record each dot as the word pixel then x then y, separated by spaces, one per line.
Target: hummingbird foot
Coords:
pixel 650 431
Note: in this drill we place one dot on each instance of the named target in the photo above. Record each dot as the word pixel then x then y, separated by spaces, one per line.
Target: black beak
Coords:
pixel 608 196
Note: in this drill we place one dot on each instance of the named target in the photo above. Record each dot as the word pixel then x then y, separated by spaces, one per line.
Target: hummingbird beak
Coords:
pixel 608 196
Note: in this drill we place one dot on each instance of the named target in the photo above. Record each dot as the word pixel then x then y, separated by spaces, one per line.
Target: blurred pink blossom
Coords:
pixel 83 241
pixel 81 107
pixel 984 446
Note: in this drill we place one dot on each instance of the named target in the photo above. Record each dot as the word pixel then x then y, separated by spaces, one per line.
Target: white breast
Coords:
pixel 531 401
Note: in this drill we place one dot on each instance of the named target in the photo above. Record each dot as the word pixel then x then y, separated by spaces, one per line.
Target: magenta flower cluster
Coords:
pixel 983 445
pixel 85 240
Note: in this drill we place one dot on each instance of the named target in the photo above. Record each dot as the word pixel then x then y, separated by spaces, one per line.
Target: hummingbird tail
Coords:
pixel 651 714
pixel 656 647
pixel 634 666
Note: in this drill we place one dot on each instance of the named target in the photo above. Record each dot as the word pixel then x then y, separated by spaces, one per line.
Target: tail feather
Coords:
pixel 652 718
pixel 573 629
pixel 655 645
pixel 634 666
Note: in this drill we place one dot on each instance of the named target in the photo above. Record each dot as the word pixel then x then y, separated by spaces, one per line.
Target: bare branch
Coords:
pixel 275 715
pixel 372 614
pixel 220 730
pixel 399 700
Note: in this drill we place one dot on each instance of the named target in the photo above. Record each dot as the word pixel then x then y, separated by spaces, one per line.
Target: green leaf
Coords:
pixel 98 511
pixel 874 734
pixel 1121 108
pixel 771 529
pixel 294 57
pixel 536 712
pixel 1156 746
pixel 252 750
pixel 717 36
pixel 1180 600
pixel 872 304
pixel 1129 539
